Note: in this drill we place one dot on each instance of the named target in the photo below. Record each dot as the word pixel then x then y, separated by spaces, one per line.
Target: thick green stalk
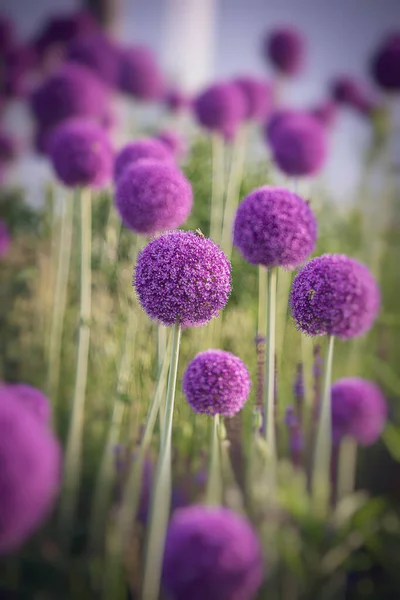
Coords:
pixel 323 446
pixel 60 300
pixel 217 192
pixel 161 495
pixel 73 452
pixel 214 484
pixel 262 301
pixel 269 406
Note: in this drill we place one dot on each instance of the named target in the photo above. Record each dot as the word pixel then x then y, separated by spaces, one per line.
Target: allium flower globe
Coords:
pixel 139 74
pixel 32 398
pixel 345 90
pixel 334 295
pixel 30 469
pixel 257 94
pixel 97 53
pixel 59 30
pixel 181 277
pixel 139 149
pixel 152 196
pixel 285 49
pixel 174 142
pixel 359 410
pixel 211 553
pixel 221 107
pixel 277 118
pixel 385 64
pixel 216 383
pixel 81 154
pixel 274 227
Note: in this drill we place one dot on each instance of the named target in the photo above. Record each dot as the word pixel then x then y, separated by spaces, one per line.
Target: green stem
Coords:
pixel 323 446
pixel 214 484
pixel 347 467
pixel 73 452
pixel 112 234
pixel 217 192
pixel 269 407
pixel 161 496
pixel 60 299
pixel 262 301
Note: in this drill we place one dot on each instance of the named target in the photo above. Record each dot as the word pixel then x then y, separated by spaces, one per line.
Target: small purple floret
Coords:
pixel 275 228
pixel 211 553
pixel 359 410
pixel 181 277
pixel 334 295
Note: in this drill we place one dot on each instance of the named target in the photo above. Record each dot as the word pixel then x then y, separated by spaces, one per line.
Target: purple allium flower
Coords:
pixel 211 553
pixel 257 94
pixel 359 410
pixel 72 91
pixel 29 472
pixel 5 239
pixel 176 101
pixel 345 90
pixel 152 196
pixel 326 113
pixel 8 147
pixel 335 295
pixel 174 142
pixel 81 154
pixel 276 119
pixel 385 64
pixel 16 64
pixel 98 53
pixel 7 34
pixel 285 49
pixel 221 107
pixel 139 74
pixel 32 398
pixel 275 228
pixel 182 277
pixel 61 29
pixel 300 145
pixel 216 383
pixel 151 148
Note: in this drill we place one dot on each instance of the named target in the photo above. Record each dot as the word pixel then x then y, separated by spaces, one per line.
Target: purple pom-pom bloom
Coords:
pixel 29 472
pixel 81 154
pixel 152 196
pixel 221 107
pixel 32 398
pixel 275 228
pixel 173 141
pixel 257 94
pixel 359 410
pixel 276 119
pixel 285 49
pixel 385 65
pixel 216 383
pixel 335 295
pixel 98 53
pixel 72 91
pixel 211 553
pixel 134 151
pixel 182 277
pixel 5 238
pixel 139 74
pixel 61 29
pixel 299 145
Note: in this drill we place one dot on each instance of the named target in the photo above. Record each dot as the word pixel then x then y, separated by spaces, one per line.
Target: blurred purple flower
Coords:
pixel 139 74
pixel 98 53
pixel 325 112
pixel 385 63
pixel 174 142
pixel 285 48
pixel 149 148
pixel 220 108
pixel 32 398
pixel 176 101
pixel 258 96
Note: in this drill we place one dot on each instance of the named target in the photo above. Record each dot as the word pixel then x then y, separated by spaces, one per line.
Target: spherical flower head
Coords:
pixel 59 30
pixel 140 75
pixel 29 472
pixel 216 383
pixel 182 277
pixel 152 196
pixel 5 239
pixel 71 91
pixel 385 64
pixel 32 398
pixel 174 142
pixel 325 113
pixel 300 146
pixel 277 118
pixel 275 228
pixel 285 49
pixel 176 101
pixel 258 97
pixel 211 553
pixel 345 90
pixel 221 107
pixel 334 295
pixel 359 410
pixel 149 148
pixel 98 53
pixel 81 154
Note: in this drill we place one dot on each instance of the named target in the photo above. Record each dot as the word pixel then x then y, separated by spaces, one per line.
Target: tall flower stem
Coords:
pixel 131 496
pixel 347 467
pixel 217 192
pixel 214 484
pixel 262 301
pixel 161 495
pixel 323 446
pixel 60 299
pixel 73 452
pixel 106 473
pixel 269 408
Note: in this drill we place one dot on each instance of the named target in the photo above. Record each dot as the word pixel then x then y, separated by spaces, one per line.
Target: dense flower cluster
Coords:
pixel 182 277
pixel 211 553
pixel 216 383
pixel 144 148
pixel 274 227
pixel 335 295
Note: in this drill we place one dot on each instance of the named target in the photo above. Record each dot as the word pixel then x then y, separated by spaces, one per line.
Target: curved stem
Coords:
pixel 214 484
pixel 73 452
